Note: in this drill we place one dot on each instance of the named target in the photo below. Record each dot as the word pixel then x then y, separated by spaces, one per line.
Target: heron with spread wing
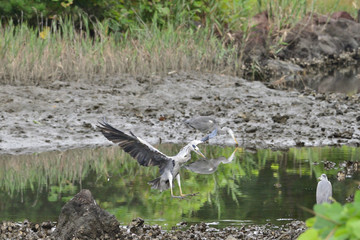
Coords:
pixel 147 155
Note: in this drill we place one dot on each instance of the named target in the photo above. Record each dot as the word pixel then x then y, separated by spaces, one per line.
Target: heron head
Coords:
pixel 194 147
pixel 323 177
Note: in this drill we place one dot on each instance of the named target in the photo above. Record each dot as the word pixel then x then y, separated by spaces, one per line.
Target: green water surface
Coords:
pixel 255 188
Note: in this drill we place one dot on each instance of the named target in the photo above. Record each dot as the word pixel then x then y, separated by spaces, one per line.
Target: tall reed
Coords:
pixel 62 52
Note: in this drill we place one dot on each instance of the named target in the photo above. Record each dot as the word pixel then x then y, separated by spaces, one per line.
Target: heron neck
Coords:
pixel 185 151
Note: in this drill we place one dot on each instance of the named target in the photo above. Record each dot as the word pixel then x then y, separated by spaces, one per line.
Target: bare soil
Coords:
pixel 63 115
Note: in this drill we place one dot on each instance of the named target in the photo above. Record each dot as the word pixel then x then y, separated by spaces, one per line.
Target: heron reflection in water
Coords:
pixel 208 124
pixel 147 155
pixel 209 166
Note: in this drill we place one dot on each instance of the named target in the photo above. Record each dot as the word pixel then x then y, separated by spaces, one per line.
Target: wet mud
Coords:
pixel 63 115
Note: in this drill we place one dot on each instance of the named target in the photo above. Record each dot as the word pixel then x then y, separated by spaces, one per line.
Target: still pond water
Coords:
pixel 254 188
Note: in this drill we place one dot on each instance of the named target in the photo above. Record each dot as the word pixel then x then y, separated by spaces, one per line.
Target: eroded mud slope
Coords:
pixel 63 115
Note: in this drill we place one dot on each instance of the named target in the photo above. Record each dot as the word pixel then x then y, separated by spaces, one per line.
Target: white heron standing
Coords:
pixel 323 190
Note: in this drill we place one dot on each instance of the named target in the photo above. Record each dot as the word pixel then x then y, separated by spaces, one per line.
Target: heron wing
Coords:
pixel 143 152
pixel 202 123
pixel 209 136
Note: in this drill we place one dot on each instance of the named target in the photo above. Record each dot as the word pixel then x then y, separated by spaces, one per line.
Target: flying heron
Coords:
pixel 147 155
pixel 323 190
pixel 207 124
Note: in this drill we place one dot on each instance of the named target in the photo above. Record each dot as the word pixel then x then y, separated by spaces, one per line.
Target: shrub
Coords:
pixel 333 221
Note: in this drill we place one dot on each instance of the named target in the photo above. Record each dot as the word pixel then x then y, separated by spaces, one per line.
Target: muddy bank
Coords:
pixel 63 115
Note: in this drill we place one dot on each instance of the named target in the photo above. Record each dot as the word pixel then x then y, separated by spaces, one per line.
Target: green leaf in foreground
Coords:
pixel 310 234
pixel 333 221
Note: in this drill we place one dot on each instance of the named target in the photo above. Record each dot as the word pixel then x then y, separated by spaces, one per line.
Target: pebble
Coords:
pixel 27 230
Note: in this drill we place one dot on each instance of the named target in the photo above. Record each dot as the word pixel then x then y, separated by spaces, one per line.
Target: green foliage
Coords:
pixel 18 9
pixel 180 13
pixel 132 14
pixel 124 15
pixel 333 221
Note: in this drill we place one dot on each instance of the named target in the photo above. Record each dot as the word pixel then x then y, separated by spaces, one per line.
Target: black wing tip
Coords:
pixel 103 122
pixel 103 125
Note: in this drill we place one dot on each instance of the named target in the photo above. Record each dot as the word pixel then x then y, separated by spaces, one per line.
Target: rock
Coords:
pixel 58 84
pixel 281 67
pixel 82 218
pixel 344 134
pixel 317 36
pixel 251 129
pixel 230 237
pixel 329 165
pixel 299 143
pixel 280 118
pixel 136 226
pixel 345 15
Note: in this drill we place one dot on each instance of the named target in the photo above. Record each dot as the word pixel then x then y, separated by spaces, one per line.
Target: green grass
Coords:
pixel 330 6
pixel 68 54
pixel 62 51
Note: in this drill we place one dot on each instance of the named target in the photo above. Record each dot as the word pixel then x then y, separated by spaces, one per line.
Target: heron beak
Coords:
pixel 233 137
pixel 200 153
pixel 236 142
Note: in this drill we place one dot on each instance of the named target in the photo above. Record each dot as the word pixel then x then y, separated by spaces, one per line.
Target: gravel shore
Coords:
pixel 138 230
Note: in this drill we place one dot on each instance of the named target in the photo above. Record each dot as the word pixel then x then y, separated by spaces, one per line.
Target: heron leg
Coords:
pixel 171 186
pixel 181 194
pixel 172 195
pixel 179 183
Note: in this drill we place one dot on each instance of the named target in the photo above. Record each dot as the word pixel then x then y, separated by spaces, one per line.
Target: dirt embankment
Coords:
pixel 317 42
pixel 63 115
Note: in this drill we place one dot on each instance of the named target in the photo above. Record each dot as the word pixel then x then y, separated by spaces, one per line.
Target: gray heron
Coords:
pixel 323 190
pixel 207 124
pixel 147 155
pixel 204 124
pixel 209 166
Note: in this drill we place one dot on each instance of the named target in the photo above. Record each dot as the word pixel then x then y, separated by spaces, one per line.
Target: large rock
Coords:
pixel 318 36
pixel 82 218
